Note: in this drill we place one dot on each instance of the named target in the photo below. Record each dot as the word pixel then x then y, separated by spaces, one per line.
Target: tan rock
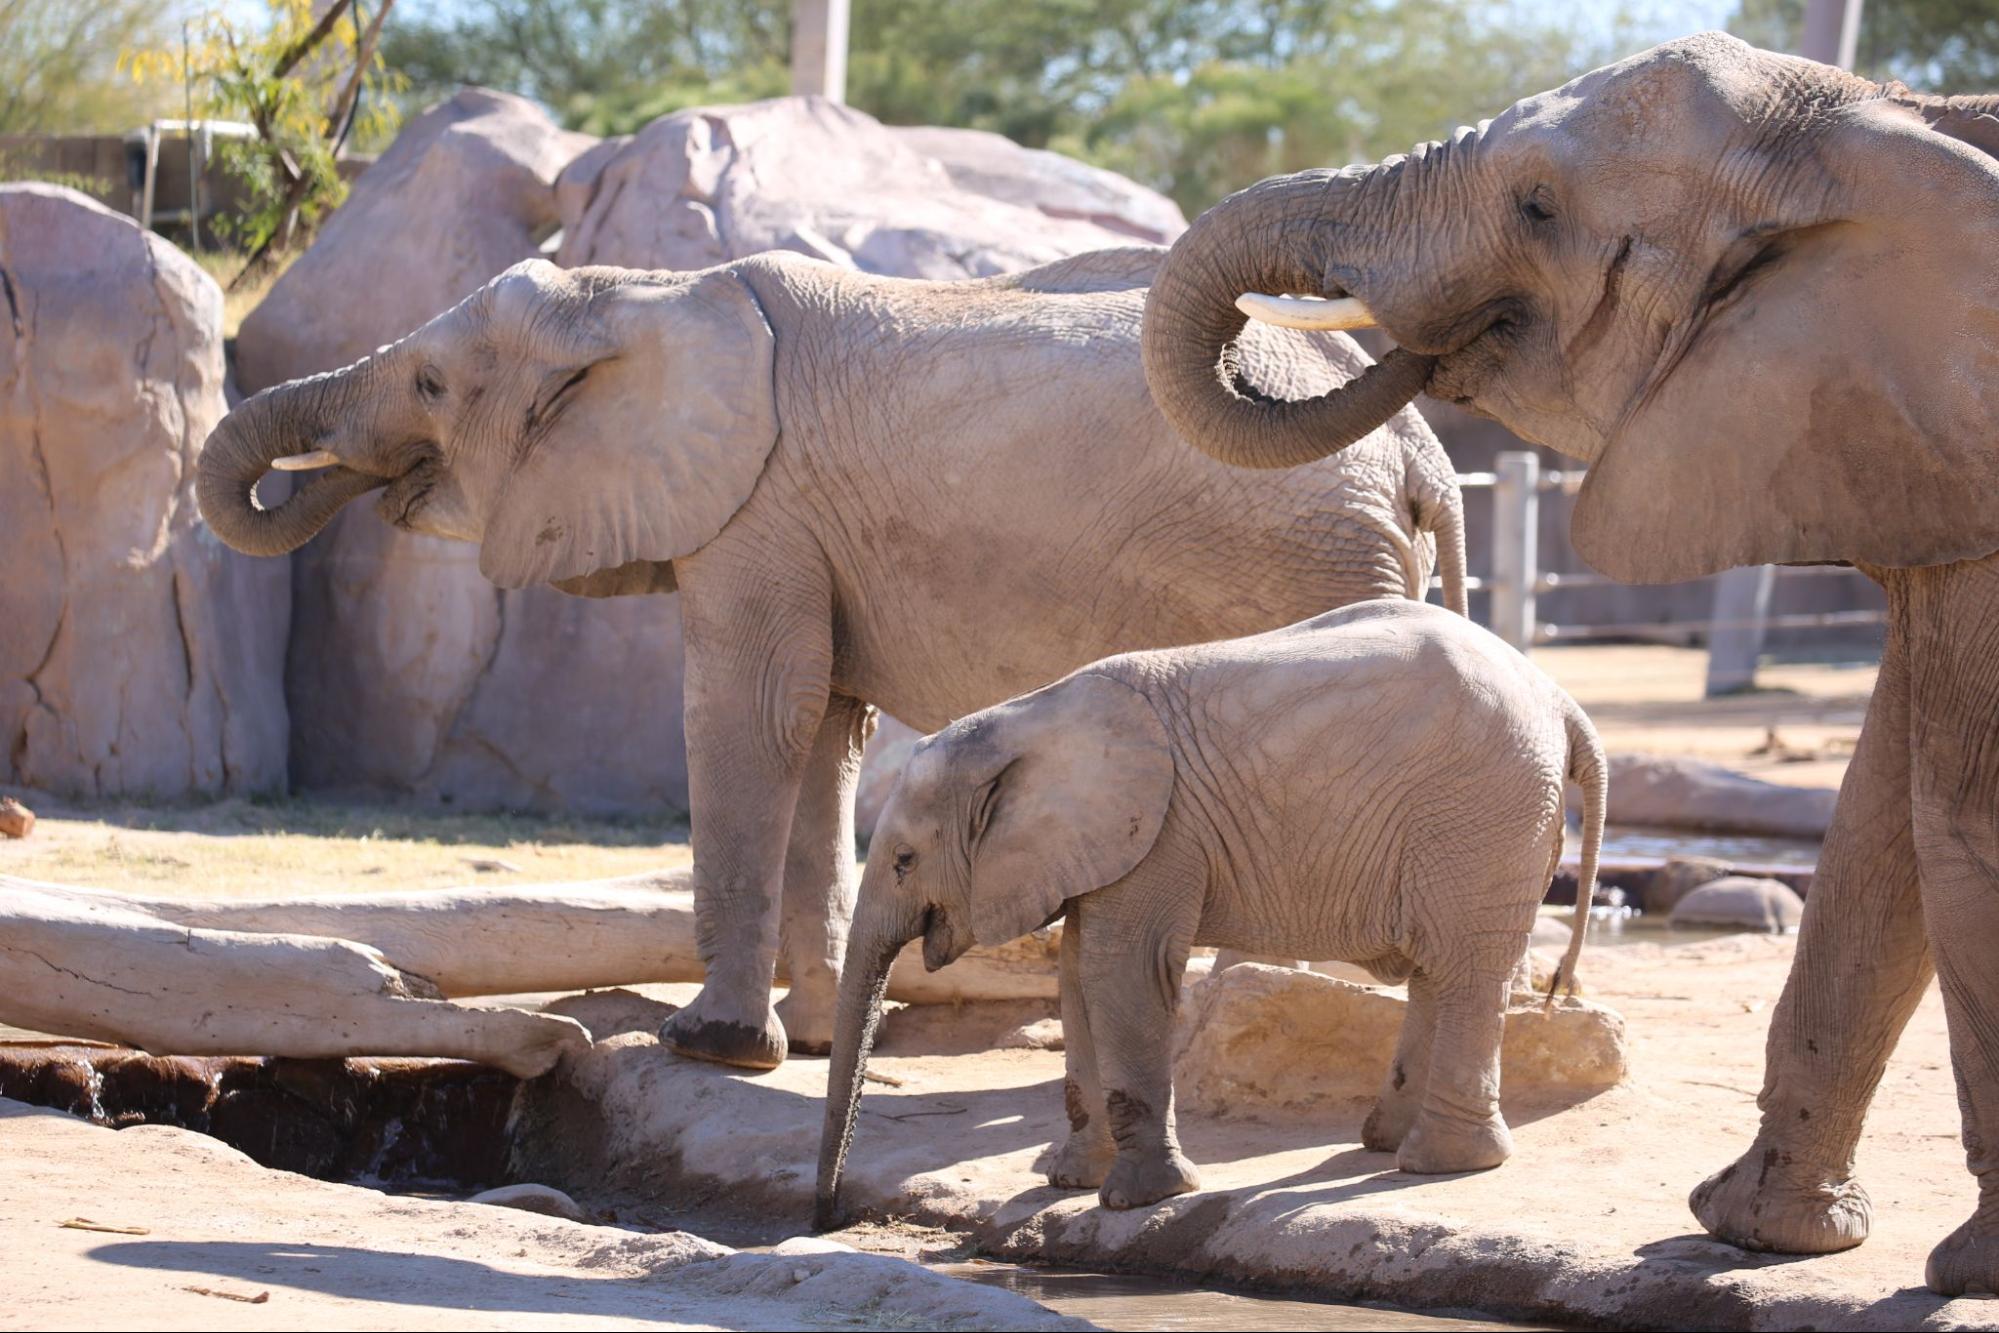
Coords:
pixel 1680 876
pixel 1743 902
pixel 16 820
pixel 1259 1038
pixel 138 656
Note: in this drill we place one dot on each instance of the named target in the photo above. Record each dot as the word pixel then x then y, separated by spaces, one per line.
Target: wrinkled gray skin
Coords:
pixel 922 496
pixel 1756 294
pixel 1381 784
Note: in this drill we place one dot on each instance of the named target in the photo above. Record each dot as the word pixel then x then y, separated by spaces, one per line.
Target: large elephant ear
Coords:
pixel 1081 773
pixel 654 449
pixel 1843 404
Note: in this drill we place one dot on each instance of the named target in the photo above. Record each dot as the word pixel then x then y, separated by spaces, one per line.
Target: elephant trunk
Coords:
pixel 881 927
pixel 288 420
pixel 1267 238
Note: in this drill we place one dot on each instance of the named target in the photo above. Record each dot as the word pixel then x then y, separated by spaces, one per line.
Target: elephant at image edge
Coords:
pixel 1380 784
pixel 922 496
pixel 1754 293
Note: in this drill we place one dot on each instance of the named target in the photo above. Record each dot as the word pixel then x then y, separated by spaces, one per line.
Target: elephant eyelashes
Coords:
pixel 430 383
pixel 1535 207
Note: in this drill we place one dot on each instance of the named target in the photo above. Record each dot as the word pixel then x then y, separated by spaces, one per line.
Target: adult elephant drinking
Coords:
pixel 1757 295
pixel 924 496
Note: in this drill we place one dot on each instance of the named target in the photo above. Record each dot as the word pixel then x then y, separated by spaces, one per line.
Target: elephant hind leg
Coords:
pixel 1408 1074
pixel 1954 723
pixel 1457 1126
pixel 1862 964
pixel 819 877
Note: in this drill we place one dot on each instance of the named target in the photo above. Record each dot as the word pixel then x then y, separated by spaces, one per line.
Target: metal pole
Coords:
pixel 1516 546
pixel 187 133
pixel 819 48
pixel 1832 31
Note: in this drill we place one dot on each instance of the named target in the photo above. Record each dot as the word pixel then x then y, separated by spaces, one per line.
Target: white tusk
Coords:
pixel 318 458
pixel 1303 312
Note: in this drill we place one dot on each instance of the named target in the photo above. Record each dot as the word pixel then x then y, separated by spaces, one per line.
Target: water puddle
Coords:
pixel 1130 1301
pixel 1639 842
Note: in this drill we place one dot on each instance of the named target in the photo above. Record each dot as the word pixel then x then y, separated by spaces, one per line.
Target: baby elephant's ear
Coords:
pixel 652 445
pixel 1083 773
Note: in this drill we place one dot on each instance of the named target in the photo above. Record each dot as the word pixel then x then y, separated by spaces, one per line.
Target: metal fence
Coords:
pixel 1517 583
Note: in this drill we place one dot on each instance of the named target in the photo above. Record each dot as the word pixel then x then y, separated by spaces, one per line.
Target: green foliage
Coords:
pixel 305 83
pixel 1949 46
pixel 58 64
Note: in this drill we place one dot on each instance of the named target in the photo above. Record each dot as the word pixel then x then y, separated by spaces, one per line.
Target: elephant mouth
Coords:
pixel 943 944
pixel 403 501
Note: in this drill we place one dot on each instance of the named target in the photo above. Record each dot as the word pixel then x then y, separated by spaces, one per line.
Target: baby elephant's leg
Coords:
pixel 1408 1073
pixel 1457 1126
pixel 1085 1158
pixel 1131 987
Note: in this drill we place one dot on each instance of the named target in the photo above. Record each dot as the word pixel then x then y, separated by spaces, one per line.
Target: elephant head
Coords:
pixel 995 824
pixel 583 426
pixel 1752 291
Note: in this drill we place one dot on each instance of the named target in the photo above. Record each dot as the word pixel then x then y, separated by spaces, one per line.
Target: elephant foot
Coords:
pixel 1387 1124
pixel 1967 1262
pixel 808 1022
pixel 720 1040
pixel 1435 1146
pixel 1135 1181
pixel 1082 1163
pixel 1766 1201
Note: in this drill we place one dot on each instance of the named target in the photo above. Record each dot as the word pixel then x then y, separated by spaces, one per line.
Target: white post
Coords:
pixel 1742 596
pixel 819 48
pixel 1516 546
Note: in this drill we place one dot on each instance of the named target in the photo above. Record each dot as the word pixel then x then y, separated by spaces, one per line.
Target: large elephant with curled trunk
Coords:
pixel 868 491
pixel 1757 294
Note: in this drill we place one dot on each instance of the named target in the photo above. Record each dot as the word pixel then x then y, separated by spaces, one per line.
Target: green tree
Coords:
pixel 1947 46
pixel 59 64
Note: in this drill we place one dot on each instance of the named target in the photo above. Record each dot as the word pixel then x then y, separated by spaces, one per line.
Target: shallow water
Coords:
pixel 1613 929
pixel 1130 1301
pixel 1636 841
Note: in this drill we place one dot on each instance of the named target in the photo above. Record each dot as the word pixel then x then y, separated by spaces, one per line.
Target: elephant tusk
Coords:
pixel 318 458
pixel 1301 312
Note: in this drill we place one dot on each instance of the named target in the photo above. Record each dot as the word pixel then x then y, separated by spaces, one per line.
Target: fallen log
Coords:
pixel 83 966
pixel 530 939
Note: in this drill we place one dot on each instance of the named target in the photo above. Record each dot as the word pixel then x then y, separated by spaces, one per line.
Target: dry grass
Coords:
pixel 242 848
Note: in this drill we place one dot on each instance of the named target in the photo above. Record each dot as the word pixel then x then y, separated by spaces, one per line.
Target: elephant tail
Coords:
pixel 1589 771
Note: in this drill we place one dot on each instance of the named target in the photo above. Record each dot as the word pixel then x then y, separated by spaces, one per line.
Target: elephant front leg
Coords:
pixel 1954 758
pixel 759 659
pixel 1862 963
pixel 1084 1158
pixel 819 877
pixel 1408 1073
pixel 1131 984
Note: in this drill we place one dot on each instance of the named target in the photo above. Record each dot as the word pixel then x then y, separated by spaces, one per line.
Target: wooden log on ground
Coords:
pixel 82 966
pixel 528 939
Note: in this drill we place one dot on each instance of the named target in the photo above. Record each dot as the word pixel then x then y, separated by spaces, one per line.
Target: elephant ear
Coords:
pixel 1840 403
pixel 1080 775
pixel 653 450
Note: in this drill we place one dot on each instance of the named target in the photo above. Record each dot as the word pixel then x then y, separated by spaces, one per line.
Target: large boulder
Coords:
pixel 1673 791
pixel 138 656
pixel 1255 1038
pixel 409 672
pixel 1741 902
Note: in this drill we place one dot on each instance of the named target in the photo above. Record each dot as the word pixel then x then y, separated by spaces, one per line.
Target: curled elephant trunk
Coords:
pixel 281 423
pixel 879 933
pixel 1261 240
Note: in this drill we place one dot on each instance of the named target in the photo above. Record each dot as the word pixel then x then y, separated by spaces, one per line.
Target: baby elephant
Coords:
pixel 1380 784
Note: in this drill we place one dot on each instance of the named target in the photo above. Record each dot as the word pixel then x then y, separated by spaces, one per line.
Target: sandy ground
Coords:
pixel 1587 1222
pixel 179 1232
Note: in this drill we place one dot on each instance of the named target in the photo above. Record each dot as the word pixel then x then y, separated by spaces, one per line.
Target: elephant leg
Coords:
pixel 759 666
pixel 1954 773
pixel 1130 977
pixel 820 878
pixel 1085 1157
pixel 1408 1073
pixel 1457 1126
pixel 1862 964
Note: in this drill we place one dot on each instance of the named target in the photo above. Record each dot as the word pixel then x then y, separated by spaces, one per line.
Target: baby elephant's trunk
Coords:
pixel 877 937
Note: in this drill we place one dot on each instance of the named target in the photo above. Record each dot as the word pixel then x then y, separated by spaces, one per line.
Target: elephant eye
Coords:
pixel 1535 207
pixel 430 382
pixel 905 858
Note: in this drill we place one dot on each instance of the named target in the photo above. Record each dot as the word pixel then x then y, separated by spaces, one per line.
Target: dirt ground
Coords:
pixel 154 1227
